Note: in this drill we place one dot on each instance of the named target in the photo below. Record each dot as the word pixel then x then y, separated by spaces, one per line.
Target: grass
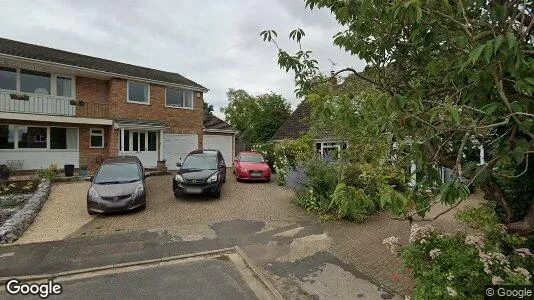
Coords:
pixel 9 203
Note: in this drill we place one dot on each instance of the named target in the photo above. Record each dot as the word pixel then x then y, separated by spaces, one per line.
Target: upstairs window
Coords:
pixel 138 92
pixel 64 86
pixel 8 79
pixel 178 98
pixel 35 82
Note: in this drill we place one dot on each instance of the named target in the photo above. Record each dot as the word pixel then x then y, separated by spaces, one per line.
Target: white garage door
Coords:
pixel 222 143
pixel 176 147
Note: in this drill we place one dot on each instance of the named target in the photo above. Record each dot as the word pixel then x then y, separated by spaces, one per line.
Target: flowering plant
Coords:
pixel 459 265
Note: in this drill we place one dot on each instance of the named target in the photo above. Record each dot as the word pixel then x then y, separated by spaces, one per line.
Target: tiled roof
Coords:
pixel 297 125
pixel 32 51
pixel 211 122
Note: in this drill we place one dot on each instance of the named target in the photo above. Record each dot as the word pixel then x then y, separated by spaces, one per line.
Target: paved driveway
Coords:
pixel 65 215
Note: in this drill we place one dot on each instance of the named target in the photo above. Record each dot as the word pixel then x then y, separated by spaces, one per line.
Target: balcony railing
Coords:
pixel 51 105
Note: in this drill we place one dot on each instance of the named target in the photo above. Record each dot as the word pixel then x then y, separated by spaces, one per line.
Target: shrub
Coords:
pixel 459 265
pixel 49 173
pixel 288 154
pixel 267 151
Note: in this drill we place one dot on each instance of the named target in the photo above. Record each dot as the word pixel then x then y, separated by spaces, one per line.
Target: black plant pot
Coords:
pixel 69 170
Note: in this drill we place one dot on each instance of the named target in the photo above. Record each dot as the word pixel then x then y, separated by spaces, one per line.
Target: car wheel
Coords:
pixel 217 194
pixel 142 207
pixel 176 195
pixel 90 212
pixel 224 179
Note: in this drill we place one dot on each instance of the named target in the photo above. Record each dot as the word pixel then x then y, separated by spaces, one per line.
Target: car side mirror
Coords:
pixel 88 178
pixel 179 164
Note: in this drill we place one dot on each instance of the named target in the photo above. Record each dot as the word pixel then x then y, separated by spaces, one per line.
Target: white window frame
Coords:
pixel 128 93
pixel 183 91
pixel 91 134
pixel 53 84
pixel 16 139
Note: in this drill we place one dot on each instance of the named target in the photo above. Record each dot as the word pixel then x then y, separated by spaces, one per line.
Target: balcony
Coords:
pixel 52 106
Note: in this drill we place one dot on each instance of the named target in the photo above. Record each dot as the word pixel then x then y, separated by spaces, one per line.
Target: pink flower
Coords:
pixel 418 232
pixel 524 272
pixel 474 240
pixel 395 276
pixel 523 252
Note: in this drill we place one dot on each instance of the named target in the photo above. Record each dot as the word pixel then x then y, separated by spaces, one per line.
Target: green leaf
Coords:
pixel 490 108
pixel 530 80
pixel 455 116
pixel 498 42
pixel 512 41
pixel 419 14
pixel 475 54
pixel 488 51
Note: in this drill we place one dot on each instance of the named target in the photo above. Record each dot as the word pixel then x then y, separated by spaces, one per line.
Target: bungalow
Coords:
pixel 59 107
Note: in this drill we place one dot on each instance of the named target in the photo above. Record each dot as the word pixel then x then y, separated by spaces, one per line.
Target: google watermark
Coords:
pixel 43 290
pixel 509 291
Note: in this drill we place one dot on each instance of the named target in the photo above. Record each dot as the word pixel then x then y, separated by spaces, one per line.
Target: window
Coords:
pixel 8 78
pixel 35 82
pixel 63 138
pixel 126 140
pixel 63 86
pixel 7 137
pixel 152 141
pixel 31 137
pixel 178 98
pixel 97 138
pixel 137 92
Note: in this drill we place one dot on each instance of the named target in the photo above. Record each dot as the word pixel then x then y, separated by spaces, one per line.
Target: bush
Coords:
pixel 267 151
pixel 446 266
pixel 288 154
pixel 49 173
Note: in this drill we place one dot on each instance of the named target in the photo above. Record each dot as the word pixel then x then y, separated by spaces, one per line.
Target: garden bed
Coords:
pixel 20 202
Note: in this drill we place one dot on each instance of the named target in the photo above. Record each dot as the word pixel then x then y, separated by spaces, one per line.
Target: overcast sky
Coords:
pixel 214 43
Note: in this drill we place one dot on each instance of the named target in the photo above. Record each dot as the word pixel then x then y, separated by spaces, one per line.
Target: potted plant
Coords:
pixel 4 172
pixel 83 171
pixel 161 166
pixel 16 96
pixel 77 102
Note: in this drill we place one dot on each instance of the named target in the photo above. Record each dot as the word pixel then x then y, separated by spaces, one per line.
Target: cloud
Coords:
pixel 214 43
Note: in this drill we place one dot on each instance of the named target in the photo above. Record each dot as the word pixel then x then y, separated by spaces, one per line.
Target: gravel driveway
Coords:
pixel 65 215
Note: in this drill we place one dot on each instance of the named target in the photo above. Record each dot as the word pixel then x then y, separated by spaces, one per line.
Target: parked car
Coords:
pixel 119 185
pixel 251 166
pixel 202 172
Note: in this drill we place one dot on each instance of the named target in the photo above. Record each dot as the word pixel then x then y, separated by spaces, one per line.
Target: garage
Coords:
pixel 219 135
pixel 223 143
pixel 177 146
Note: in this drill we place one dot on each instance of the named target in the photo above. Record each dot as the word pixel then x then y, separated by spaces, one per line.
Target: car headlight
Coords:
pixel 213 178
pixel 93 194
pixel 139 190
pixel 179 178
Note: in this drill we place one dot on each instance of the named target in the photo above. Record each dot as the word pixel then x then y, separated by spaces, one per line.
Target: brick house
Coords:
pixel 59 107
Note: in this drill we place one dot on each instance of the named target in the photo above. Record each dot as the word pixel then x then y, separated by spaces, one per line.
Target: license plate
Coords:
pixel 256 174
pixel 193 190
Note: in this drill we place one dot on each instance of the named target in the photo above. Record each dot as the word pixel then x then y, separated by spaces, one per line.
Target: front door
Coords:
pixel 143 144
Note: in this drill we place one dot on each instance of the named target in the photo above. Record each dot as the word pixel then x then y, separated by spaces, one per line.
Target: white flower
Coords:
pixel 474 240
pixel 524 272
pixel 420 232
pixel 452 292
pixel 496 280
pixel 434 253
pixel 450 277
pixel 392 243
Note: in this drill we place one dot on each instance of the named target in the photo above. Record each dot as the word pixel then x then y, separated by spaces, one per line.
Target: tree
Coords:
pixel 208 107
pixel 256 118
pixel 450 75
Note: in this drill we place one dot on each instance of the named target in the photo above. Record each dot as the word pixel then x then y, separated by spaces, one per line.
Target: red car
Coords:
pixel 251 166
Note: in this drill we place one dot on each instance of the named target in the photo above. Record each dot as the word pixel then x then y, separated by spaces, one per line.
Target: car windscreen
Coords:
pixel 200 162
pixel 118 173
pixel 251 158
